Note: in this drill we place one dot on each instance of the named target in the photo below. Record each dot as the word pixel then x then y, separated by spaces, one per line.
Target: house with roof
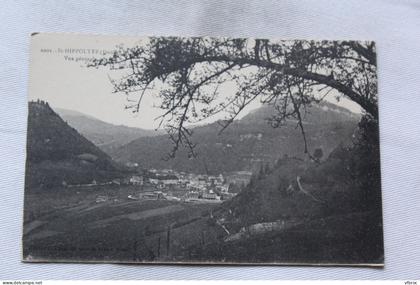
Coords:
pixel 166 180
pixel 136 180
pixel 210 196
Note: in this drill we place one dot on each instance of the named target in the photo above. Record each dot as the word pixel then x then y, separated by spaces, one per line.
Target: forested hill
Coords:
pixel 323 112
pixel 57 153
pixel 301 211
pixel 246 143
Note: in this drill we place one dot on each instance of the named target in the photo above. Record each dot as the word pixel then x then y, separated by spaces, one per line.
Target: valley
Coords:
pixel 250 192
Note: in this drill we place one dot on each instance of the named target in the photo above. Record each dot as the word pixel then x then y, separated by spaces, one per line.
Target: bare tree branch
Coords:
pixel 283 73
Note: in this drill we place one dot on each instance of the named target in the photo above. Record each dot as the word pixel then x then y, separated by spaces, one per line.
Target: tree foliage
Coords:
pixel 186 75
pixel 365 165
pixel 318 153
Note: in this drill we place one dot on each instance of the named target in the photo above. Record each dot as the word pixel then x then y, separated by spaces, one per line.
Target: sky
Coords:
pixel 59 76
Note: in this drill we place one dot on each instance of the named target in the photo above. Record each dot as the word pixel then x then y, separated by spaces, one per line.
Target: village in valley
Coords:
pixel 171 185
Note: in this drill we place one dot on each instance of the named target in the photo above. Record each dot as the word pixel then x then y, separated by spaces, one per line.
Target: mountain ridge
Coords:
pixel 106 136
pixel 246 143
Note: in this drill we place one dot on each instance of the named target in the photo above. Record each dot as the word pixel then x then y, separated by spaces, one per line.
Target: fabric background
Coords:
pixel 394 25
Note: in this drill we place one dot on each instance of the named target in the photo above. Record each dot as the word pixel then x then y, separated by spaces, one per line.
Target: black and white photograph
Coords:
pixel 202 150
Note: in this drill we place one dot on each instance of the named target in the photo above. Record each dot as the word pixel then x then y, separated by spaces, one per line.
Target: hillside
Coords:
pixel 246 143
pixel 276 193
pixel 57 153
pixel 106 136
pixel 300 211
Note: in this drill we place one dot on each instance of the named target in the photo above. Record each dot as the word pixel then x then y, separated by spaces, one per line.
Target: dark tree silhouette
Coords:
pixel 318 153
pixel 289 75
pixel 365 163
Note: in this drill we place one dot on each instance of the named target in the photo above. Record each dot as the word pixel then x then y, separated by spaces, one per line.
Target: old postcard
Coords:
pixel 202 150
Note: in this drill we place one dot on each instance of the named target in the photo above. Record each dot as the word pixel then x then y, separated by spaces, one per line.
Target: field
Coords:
pixel 70 225
pixel 345 239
